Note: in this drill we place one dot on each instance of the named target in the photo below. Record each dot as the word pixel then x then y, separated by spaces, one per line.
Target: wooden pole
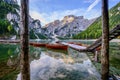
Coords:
pixel 105 41
pixel 25 70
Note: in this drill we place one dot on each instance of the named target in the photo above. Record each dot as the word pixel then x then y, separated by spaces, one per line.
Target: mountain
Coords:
pixel 67 27
pixel 10 21
pixel 10 24
pixel 95 29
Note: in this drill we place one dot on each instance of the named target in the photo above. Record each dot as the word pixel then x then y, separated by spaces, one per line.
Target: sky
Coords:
pixel 49 10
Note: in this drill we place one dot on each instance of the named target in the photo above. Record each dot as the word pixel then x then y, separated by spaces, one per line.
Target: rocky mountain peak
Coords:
pixel 68 19
pixel 56 22
pixel 70 25
pixel 80 17
pixel 53 24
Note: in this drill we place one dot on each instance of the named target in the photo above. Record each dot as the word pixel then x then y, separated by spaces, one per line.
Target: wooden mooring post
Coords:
pixel 105 42
pixel 24 60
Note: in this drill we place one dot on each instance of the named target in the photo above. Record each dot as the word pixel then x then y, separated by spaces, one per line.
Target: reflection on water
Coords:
pixel 9 61
pixel 115 55
pixel 47 64
pixel 58 66
pixel 54 65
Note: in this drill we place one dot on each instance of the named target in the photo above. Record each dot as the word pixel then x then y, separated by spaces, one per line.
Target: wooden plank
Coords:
pixel 81 50
pixel 113 34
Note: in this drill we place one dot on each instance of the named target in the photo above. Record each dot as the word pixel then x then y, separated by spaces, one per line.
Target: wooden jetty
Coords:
pixel 96 45
pixel 75 46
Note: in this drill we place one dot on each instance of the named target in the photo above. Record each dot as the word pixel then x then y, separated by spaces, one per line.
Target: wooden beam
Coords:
pixel 105 42
pixel 112 34
pixel 25 70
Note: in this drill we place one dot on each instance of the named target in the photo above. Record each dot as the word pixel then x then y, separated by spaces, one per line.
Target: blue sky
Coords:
pixel 49 10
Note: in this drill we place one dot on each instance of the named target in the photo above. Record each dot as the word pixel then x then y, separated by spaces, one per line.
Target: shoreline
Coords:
pixel 114 40
pixel 18 41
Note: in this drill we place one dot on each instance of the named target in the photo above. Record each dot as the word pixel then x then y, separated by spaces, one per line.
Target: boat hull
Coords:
pixel 38 44
pixel 57 46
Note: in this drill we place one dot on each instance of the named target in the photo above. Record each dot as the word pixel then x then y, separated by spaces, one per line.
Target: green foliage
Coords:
pixel 32 35
pixel 7 50
pixel 9 28
pixel 5 27
pixel 6 8
pixel 95 30
pixel 41 36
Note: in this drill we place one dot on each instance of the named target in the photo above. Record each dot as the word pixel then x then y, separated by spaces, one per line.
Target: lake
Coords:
pixel 48 64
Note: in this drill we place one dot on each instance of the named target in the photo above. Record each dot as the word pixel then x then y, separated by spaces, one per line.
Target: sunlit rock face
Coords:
pixel 14 19
pixel 69 26
pixel 11 16
pixel 34 25
pixel 52 66
pixel 68 19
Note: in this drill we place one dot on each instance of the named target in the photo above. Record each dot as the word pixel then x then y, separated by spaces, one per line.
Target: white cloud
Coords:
pixel 36 15
pixel 88 1
pixel 93 5
pixel 58 15
pixel 92 14
pixel 49 17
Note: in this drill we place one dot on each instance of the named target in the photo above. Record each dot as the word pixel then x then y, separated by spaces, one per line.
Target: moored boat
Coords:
pixel 57 46
pixel 38 44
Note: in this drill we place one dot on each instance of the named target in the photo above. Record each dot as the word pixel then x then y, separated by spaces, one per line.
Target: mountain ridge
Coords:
pixel 67 27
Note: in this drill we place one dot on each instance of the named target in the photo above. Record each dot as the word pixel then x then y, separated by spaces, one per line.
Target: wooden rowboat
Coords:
pixel 51 46
pixel 57 46
pixel 38 44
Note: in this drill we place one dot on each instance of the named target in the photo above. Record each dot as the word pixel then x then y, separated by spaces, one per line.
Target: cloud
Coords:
pixel 88 1
pixel 51 16
pixel 36 1
pixel 94 13
pixel 37 15
pixel 46 18
pixel 93 5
